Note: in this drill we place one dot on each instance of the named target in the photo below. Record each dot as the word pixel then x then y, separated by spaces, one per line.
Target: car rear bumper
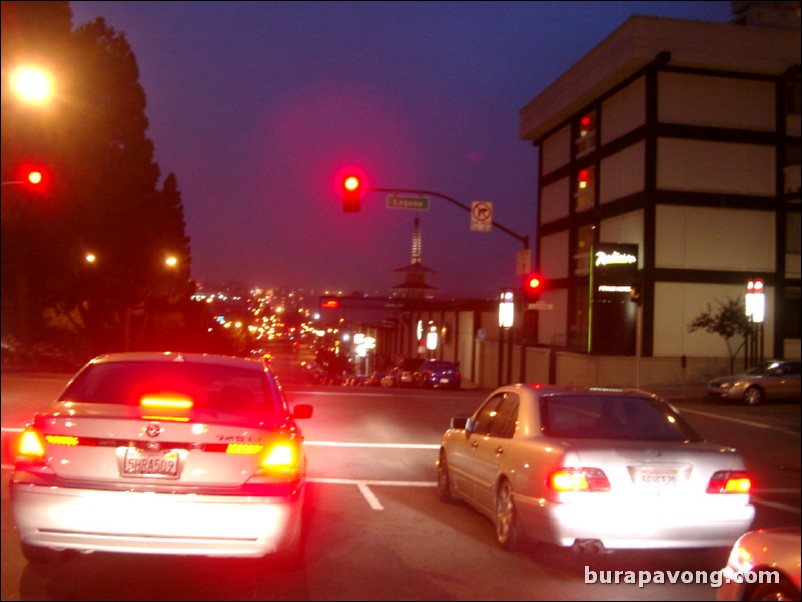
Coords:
pixel 90 520
pixel 641 525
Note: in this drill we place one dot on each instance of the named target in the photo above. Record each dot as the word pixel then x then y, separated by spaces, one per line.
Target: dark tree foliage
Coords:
pixel 728 321
pixel 105 198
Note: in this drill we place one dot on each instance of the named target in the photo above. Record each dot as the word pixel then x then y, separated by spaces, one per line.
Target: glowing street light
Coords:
pixel 31 84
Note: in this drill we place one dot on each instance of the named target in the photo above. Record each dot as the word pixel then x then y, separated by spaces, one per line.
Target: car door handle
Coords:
pixel 474 444
pixel 499 450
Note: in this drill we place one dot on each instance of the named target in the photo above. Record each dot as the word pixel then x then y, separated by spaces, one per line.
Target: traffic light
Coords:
pixel 351 194
pixel 533 286
pixel 34 176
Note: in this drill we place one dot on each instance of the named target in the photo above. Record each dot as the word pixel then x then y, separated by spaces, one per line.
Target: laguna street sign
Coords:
pixel 415 203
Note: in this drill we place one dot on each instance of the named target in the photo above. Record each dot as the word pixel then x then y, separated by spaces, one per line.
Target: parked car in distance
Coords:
pixel 439 374
pixel 772 379
pixel 164 453
pixel 405 372
pixel 374 379
pixel 754 557
pixel 593 469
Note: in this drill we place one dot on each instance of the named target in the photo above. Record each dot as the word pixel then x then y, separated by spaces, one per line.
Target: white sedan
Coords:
pixel 595 469
pixel 163 453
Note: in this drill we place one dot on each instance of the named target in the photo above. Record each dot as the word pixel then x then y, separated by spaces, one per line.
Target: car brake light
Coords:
pixel 726 481
pixel 31 445
pixel 166 400
pixel 283 459
pixel 579 479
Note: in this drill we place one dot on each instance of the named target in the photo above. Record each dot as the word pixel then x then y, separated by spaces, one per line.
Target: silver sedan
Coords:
pixel 164 453
pixel 769 380
pixel 595 469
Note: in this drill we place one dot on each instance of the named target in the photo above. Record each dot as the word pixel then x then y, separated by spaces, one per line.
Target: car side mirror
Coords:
pixel 460 422
pixel 302 410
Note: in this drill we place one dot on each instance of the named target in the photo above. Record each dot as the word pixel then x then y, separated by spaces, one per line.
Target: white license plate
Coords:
pixel 444 381
pixel 661 478
pixel 143 463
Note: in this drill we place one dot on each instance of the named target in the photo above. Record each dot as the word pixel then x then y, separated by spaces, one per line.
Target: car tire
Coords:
pixel 508 525
pixel 41 555
pixel 774 591
pixel 754 396
pixel 444 490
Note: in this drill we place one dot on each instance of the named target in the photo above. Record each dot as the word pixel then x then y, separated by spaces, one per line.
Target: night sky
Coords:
pixel 257 107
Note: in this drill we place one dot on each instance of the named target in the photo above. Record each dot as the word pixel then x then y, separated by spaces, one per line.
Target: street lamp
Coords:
pixel 506 319
pixel 31 84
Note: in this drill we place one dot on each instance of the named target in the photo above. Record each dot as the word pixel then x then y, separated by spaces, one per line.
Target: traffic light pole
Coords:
pixel 523 239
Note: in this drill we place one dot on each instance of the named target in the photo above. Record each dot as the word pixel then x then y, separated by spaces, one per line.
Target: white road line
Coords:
pixel 777 505
pixel 388 445
pixel 372 499
pixel 759 425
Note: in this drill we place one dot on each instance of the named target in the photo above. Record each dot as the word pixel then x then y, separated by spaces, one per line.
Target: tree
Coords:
pixel 105 197
pixel 728 321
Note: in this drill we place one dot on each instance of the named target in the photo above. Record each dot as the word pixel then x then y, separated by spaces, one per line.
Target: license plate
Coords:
pixel 660 478
pixel 143 463
pixel 443 381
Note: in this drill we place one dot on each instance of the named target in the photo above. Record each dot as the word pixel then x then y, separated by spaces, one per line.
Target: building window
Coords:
pixel 580 320
pixel 586 134
pixel 584 246
pixel 792 233
pixel 792 98
pixel 585 189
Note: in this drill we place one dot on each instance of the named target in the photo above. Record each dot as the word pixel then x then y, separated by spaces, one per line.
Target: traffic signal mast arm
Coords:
pixel 523 239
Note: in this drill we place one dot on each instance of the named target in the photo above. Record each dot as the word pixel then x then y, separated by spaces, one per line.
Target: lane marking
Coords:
pixel 357 444
pixel 759 425
pixel 373 501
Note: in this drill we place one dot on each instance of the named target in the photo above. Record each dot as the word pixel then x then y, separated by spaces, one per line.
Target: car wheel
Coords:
pixel 774 591
pixel 508 525
pixel 754 396
pixel 41 555
pixel 444 491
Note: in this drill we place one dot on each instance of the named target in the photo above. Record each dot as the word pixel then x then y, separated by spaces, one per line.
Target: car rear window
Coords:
pixel 604 417
pixel 208 386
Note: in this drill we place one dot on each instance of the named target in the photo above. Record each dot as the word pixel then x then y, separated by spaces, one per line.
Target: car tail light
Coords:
pixel 283 459
pixel 174 401
pixel 31 445
pixel 579 479
pixel 726 481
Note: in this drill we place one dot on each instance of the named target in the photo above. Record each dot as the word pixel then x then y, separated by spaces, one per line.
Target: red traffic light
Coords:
pixel 533 286
pixel 351 194
pixel 34 176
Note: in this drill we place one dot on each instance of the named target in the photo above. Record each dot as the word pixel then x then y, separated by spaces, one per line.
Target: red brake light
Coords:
pixel 283 459
pixel 578 479
pixel 31 445
pixel 174 401
pixel 725 481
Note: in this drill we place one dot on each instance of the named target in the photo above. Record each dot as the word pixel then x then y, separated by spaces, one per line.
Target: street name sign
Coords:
pixel 415 203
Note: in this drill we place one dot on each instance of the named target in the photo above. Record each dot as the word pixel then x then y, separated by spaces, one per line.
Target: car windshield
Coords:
pixel 207 386
pixel 605 417
pixel 764 368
